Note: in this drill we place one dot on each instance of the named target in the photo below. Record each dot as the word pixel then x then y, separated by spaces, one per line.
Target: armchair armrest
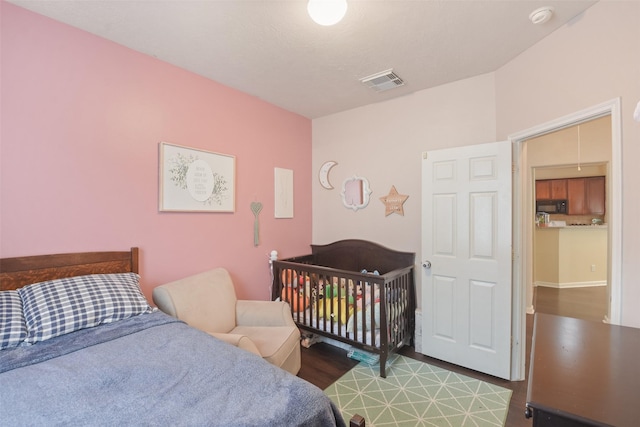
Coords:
pixel 240 341
pixel 263 313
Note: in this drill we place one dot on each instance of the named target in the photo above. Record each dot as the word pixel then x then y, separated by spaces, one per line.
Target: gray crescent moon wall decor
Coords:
pixel 323 174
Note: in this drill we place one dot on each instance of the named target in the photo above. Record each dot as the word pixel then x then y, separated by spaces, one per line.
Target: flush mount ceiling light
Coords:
pixel 327 12
pixel 541 15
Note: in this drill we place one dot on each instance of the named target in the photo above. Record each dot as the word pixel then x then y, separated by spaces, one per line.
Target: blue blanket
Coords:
pixel 152 370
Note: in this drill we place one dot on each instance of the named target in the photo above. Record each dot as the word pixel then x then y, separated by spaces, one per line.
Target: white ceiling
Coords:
pixel 274 51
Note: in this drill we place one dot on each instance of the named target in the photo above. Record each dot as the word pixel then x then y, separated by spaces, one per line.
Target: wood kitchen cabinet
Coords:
pixel 543 189
pixel 595 195
pixel 551 189
pixel 576 199
pixel 586 196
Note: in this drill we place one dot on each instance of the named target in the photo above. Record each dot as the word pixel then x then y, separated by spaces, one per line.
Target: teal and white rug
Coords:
pixel 418 394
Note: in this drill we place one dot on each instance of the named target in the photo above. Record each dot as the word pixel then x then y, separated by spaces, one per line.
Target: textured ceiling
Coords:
pixel 274 51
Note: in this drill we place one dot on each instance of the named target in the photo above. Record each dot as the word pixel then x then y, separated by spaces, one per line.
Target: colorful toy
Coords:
pixel 291 292
pixel 289 278
pixel 297 301
pixel 329 307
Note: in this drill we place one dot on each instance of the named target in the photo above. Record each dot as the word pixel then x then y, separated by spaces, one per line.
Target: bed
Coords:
pixel 122 363
pixel 356 292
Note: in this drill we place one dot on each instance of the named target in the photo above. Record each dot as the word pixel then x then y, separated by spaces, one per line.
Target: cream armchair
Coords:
pixel 208 302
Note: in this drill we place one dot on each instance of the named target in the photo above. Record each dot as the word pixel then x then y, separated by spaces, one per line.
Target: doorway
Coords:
pixel 524 216
pixel 570 260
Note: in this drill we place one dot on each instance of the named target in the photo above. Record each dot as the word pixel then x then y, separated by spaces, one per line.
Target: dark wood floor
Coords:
pixel 323 364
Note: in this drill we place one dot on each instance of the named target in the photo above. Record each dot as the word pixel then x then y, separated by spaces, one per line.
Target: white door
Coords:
pixel 466 238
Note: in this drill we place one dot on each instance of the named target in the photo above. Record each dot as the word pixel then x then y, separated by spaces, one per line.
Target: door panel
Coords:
pixel 483 207
pixel 445 239
pixel 466 232
pixel 481 310
pixel 444 290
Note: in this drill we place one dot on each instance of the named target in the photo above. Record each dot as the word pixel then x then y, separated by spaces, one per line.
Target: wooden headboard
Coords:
pixel 21 271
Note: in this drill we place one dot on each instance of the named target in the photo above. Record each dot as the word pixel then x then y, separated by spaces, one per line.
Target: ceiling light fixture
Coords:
pixel 327 12
pixel 541 15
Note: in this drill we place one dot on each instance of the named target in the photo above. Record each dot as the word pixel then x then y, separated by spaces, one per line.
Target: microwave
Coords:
pixel 551 206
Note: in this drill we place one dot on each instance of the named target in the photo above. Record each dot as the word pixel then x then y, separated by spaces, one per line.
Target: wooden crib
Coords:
pixel 353 291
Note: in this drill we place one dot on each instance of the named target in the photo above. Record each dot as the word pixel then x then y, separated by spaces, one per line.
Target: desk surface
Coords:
pixel 585 371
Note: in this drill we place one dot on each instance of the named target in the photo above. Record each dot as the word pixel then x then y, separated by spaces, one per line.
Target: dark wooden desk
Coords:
pixel 583 373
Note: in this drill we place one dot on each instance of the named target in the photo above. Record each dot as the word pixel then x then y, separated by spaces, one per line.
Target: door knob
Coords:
pixel 426 264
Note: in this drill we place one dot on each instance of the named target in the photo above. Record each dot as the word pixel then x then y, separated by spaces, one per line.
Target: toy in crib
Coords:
pixel 364 301
pixel 334 298
pixel 291 292
pixel 368 295
pixel 347 298
pixel 330 307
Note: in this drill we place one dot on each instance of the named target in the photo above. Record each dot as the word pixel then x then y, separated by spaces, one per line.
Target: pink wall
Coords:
pixel 81 121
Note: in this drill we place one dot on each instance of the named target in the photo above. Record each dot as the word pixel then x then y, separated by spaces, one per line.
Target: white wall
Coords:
pixel 383 142
pixel 560 148
pixel 593 59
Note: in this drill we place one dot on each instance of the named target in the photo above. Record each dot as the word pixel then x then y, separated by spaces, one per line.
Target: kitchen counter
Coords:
pixel 570 256
pixel 576 227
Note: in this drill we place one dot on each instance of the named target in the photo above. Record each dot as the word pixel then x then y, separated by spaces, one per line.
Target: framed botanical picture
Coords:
pixel 193 180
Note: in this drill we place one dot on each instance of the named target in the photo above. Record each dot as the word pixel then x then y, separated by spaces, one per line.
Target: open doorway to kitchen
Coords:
pixel 524 217
pixel 569 170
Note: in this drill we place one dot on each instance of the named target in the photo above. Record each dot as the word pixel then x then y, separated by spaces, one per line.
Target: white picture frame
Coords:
pixel 195 180
pixel 283 191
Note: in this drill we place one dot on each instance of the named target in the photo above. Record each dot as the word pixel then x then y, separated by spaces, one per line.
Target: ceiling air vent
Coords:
pixel 383 81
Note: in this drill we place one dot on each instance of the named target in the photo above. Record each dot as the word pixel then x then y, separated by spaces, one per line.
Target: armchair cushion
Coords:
pixel 275 343
pixel 264 313
pixel 198 303
pixel 207 301
pixel 241 341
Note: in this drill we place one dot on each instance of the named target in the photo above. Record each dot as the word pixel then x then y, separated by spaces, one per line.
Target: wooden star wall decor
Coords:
pixel 394 202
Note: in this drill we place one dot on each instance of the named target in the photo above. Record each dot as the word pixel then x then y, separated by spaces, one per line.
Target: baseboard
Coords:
pixel 570 284
pixel 417 336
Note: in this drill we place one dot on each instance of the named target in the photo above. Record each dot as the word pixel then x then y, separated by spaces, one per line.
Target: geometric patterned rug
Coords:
pixel 418 394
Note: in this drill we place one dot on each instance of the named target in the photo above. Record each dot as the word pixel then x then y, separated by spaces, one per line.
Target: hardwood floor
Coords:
pixel 588 303
pixel 323 364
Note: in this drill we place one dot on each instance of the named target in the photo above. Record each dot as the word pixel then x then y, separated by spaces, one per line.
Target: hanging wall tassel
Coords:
pixel 256 207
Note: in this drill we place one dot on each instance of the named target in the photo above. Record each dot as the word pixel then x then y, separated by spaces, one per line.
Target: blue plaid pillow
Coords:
pixel 62 306
pixel 13 330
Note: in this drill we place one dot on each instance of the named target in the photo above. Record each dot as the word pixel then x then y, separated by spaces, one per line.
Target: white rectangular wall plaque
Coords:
pixel 283 186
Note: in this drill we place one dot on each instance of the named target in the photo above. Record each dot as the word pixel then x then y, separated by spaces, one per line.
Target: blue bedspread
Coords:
pixel 152 370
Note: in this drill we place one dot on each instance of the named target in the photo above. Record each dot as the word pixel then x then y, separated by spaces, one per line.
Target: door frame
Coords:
pixel 522 214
